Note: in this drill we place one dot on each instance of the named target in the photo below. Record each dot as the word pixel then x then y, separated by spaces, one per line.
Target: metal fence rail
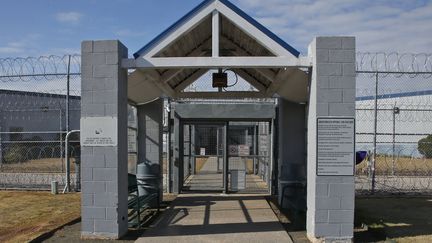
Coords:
pixel 40 103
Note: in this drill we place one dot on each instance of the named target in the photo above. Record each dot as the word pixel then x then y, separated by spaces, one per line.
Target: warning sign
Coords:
pixel 335 146
pixel 239 150
pixel 233 150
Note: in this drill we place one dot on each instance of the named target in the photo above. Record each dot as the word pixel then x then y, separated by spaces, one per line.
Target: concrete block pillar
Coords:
pixel 330 199
pixel 104 168
pixel 150 143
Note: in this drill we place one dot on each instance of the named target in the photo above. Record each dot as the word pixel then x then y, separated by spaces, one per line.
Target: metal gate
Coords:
pixel 246 150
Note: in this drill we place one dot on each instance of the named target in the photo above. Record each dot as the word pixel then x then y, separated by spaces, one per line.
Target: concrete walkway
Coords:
pixel 217 218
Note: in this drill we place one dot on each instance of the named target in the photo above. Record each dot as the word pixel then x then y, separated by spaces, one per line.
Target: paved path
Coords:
pixel 217 218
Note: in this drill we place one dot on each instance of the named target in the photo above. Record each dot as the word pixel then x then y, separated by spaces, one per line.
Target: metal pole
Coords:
pixel 61 140
pixel 190 150
pixel 255 146
pixel 169 146
pixel 193 150
pixel 225 157
pixel 394 138
pixel 270 170
pixel 67 93
pixel 375 134
pixel 217 148
pixel 67 186
pixel 67 107
pixel 395 111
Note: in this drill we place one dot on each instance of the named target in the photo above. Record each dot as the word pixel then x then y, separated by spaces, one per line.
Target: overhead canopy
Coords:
pixel 217 34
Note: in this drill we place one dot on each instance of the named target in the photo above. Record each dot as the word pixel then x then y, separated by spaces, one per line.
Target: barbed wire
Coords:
pixel 54 66
pixel 39 68
pixel 411 64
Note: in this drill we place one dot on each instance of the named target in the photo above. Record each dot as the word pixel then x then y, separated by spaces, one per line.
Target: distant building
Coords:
pixel 33 112
pixel 402 120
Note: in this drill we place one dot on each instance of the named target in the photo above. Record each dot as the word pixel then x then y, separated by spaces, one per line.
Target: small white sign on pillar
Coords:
pixel 99 131
pixel 336 147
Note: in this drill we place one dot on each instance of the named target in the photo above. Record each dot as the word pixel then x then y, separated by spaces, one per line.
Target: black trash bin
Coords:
pixel 148 180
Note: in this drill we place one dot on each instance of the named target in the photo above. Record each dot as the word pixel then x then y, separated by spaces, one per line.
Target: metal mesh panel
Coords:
pixel 394 120
pixel 34 108
pixel 248 157
pixel 39 103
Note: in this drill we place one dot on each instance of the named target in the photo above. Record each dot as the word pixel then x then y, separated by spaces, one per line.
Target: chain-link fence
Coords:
pixel 40 103
pixel 394 123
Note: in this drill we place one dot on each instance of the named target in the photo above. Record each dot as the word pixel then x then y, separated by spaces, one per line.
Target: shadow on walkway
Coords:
pixel 221 218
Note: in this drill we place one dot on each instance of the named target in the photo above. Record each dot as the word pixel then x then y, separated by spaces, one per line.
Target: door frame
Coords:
pixel 225 129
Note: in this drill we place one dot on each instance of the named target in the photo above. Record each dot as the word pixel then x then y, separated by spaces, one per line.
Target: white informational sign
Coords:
pixel 335 146
pixel 243 150
pixel 202 152
pixel 99 131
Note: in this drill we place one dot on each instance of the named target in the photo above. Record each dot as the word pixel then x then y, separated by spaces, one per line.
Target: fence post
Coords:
pixel 67 93
pixel 67 102
pixel 1 149
pixel 61 140
pixel 375 134
pixel 395 111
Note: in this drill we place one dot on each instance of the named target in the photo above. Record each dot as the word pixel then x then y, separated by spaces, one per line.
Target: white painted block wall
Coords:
pixel 330 199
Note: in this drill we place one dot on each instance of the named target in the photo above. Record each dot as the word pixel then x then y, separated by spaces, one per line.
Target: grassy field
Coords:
pixel 38 165
pixel 402 166
pixel 394 219
pixel 26 215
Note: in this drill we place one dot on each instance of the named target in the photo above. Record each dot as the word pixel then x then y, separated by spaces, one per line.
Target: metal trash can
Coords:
pixel 238 180
pixel 148 179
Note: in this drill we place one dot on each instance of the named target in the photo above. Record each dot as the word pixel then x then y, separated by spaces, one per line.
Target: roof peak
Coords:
pixel 202 6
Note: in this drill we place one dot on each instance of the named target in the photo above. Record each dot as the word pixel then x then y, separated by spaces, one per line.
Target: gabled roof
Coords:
pixel 235 9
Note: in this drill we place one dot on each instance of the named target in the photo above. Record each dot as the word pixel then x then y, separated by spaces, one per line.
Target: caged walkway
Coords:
pixel 217 218
pixel 209 179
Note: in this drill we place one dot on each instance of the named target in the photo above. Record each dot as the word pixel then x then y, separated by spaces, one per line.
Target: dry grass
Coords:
pixel 38 165
pixel 402 165
pixel 26 215
pixel 396 219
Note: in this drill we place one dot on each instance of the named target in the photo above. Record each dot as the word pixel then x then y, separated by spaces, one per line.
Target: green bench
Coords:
pixel 138 204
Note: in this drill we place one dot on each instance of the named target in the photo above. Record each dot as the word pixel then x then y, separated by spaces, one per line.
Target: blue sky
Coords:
pixel 58 26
